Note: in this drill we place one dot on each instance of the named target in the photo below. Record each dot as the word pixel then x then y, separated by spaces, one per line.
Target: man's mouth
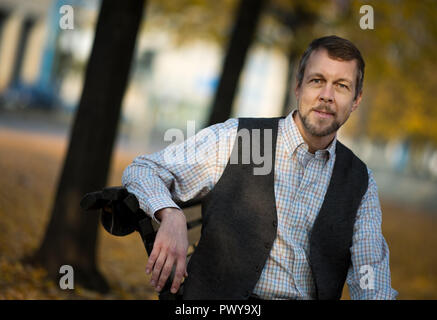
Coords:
pixel 324 115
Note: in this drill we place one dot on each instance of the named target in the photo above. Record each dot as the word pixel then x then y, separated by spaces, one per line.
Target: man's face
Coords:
pixel 326 96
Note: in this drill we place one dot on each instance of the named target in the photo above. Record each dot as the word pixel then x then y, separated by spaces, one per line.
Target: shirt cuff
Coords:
pixel 152 205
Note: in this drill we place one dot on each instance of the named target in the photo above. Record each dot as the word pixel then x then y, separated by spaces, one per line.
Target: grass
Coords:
pixel 29 167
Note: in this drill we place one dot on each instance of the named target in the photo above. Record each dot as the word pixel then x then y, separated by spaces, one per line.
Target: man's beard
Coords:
pixel 314 130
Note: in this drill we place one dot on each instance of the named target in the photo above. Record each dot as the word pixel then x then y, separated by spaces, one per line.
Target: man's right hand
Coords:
pixel 170 248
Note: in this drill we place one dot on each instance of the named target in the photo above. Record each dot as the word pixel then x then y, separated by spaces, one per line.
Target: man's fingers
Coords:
pixel 179 273
pixel 152 258
pixel 157 267
pixel 165 272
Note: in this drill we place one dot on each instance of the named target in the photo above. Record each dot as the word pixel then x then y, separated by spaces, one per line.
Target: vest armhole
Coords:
pixel 242 121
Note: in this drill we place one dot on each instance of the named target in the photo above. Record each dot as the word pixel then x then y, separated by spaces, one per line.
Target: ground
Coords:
pixel 29 167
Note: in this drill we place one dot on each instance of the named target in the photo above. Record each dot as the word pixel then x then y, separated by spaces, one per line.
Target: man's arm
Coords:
pixel 177 173
pixel 369 276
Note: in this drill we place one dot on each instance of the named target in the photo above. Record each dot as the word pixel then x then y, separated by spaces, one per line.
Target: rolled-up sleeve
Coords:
pixel 180 172
pixel 369 275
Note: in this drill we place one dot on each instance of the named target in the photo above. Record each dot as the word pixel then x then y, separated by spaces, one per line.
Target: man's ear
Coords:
pixel 357 101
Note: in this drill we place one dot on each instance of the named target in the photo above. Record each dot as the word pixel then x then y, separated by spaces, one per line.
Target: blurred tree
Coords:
pixel 71 234
pixel 296 16
pixel 194 19
pixel 191 20
pixel 243 32
pixel 281 26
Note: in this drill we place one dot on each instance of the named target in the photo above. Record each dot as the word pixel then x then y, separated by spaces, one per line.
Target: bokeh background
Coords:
pixel 178 64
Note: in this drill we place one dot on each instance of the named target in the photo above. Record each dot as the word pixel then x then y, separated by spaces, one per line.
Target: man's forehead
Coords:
pixel 320 62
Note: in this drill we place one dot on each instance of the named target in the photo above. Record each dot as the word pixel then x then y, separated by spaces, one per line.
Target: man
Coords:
pixel 298 232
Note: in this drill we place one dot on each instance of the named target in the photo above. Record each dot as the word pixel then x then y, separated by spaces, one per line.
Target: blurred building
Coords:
pixel 21 34
pixel 43 66
pixel 32 59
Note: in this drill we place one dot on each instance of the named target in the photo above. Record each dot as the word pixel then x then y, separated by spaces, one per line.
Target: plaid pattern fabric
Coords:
pixel 301 181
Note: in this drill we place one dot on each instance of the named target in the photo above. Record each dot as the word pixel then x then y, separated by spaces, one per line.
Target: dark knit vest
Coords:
pixel 239 224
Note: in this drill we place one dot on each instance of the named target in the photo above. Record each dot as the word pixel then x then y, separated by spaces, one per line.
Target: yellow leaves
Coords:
pixel 413 258
pixel 400 82
pixel 190 20
pixel 400 104
pixel 29 164
pixel 18 281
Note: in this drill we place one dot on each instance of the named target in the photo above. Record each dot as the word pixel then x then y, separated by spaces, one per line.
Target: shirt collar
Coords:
pixel 294 139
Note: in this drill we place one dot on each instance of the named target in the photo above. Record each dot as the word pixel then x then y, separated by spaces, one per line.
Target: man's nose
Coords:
pixel 327 94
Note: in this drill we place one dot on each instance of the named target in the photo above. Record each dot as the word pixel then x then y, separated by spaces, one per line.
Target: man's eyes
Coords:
pixel 316 80
pixel 319 81
pixel 343 86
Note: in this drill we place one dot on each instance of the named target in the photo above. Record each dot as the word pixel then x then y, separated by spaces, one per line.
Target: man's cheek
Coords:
pixel 311 99
pixel 307 97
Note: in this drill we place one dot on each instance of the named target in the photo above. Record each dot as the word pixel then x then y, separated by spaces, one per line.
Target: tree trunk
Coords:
pixel 70 238
pixel 295 20
pixel 248 15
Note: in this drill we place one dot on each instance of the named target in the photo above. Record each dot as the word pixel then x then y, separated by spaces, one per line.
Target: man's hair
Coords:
pixel 338 48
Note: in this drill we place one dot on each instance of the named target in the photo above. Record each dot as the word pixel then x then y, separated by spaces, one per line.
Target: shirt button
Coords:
pixel 275 224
